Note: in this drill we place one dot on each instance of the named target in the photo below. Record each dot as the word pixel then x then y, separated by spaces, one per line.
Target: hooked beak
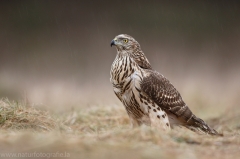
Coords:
pixel 112 43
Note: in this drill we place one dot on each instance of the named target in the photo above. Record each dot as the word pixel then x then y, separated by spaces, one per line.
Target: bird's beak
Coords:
pixel 112 43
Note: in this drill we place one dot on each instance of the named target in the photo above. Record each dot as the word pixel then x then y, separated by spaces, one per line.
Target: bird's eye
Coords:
pixel 125 40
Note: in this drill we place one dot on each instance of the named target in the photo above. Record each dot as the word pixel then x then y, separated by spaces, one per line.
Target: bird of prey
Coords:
pixel 149 98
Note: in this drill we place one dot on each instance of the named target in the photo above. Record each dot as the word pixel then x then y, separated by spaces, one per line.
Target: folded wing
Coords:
pixel 165 95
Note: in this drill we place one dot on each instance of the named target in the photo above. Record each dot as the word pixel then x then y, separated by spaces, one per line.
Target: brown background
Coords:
pixel 58 52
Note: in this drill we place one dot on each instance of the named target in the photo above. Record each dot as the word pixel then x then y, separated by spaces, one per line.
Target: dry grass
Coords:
pixel 104 132
pixel 18 116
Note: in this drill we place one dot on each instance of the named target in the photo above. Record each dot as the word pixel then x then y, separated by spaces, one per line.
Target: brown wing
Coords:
pixel 163 93
pixel 159 89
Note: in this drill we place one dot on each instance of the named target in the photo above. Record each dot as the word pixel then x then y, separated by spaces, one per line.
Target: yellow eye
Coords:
pixel 125 40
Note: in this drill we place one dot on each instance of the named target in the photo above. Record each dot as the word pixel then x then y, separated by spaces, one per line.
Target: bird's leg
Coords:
pixel 134 123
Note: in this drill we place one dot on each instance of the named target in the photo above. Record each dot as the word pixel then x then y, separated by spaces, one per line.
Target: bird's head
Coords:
pixel 125 42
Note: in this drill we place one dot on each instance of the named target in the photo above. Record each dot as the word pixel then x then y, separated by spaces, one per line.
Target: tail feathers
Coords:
pixel 186 118
pixel 198 125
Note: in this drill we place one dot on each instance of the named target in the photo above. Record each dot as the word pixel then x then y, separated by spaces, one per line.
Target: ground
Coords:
pixel 105 132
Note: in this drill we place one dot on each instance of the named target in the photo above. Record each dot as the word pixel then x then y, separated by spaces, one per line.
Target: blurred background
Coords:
pixel 57 53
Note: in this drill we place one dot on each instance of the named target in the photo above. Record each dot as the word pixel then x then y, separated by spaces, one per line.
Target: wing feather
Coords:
pixel 165 95
pixel 162 91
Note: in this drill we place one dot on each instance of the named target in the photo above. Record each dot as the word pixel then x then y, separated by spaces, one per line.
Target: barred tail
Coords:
pixel 198 125
pixel 190 121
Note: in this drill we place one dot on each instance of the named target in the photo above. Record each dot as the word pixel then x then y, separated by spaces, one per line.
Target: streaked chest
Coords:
pixel 122 68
